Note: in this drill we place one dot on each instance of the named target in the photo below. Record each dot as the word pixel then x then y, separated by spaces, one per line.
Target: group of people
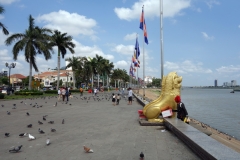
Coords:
pixel 63 93
pixel 116 98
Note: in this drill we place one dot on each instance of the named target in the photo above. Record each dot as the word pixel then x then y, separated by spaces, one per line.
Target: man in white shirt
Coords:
pixel 95 91
pixel 129 96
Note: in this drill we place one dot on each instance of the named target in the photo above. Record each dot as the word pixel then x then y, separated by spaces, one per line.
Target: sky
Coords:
pixel 200 37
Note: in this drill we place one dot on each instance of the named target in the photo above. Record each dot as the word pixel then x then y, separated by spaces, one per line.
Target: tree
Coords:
pixel 4 30
pixel 91 64
pixel 4 80
pixel 100 65
pixel 34 41
pixel 75 63
pixel 107 68
pixel 63 42
pixel 156 82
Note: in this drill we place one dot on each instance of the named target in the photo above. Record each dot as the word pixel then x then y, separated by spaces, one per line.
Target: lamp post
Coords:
pixel 67 73
pixel 12 65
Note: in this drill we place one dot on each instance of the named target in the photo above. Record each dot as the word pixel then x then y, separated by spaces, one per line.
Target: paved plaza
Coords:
pixel 112 132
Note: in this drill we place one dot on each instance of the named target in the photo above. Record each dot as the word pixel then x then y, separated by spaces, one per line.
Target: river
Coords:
pixel 217 108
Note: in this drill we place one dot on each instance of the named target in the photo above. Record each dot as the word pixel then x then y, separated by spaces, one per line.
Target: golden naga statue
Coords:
pixel 171 85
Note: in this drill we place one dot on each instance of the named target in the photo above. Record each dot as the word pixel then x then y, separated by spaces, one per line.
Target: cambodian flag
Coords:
pixel 143 27
pixel 137 49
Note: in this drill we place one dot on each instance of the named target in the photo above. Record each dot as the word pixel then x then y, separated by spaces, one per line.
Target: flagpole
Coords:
pixel 143 60
pixel 161 34
pixel 138 64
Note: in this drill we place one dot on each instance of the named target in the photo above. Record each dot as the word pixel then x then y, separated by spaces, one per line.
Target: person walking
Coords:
pixel 81 91
pixel 129 96
pixel 118 99
pixel 67 94
pixel 95 91
pixel 59 94
pixel 63 92
pixel 113 99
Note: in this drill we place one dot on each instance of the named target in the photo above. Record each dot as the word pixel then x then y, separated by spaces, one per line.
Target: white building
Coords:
pixel 47 78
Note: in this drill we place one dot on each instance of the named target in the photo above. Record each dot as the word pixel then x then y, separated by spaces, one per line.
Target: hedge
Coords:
pixel 28 93
pixel 2 96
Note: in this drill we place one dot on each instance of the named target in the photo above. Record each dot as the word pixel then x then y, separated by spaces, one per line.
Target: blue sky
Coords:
pixel 201 37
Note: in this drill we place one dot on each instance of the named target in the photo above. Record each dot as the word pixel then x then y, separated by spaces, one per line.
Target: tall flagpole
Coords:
pixel 143 58
pixel 161 34
pixel 138 63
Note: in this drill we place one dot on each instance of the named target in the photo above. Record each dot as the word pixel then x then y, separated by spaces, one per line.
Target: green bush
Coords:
pixel 51 92
pixel 2 96
pixel 28 92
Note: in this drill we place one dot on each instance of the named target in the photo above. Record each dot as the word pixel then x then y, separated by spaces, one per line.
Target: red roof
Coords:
pixel 19 76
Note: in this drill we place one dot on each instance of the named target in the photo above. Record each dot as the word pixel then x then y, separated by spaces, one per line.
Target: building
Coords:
pixel 233 83
pixel 215 83
pixel 49 77
pixel 16 79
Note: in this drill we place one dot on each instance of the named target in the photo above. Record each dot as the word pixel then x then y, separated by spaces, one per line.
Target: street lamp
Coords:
pixel 67 73
pixel 12 65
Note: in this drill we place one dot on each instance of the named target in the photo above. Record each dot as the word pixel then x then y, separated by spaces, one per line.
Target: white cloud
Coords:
pixel 122 49
pixel 210 3
pixel 186 67
pixel 171 8
pixel 206 36
pixel 7 1
pixel 81 50
pixel 121 64
pixel 3 52
pixel 229 69
pixel 131 36
pixel 1 17
pixel 71 23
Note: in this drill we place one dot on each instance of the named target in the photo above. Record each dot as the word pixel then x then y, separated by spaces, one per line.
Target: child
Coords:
pixel 113 99
pixel 118 98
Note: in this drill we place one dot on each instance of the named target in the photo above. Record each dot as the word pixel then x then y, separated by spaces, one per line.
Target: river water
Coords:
pixel 217 108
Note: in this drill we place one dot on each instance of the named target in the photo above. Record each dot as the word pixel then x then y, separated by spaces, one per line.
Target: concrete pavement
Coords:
pixel 113 132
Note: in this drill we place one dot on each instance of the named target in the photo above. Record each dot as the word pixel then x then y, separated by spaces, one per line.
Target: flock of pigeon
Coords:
pixel 97 98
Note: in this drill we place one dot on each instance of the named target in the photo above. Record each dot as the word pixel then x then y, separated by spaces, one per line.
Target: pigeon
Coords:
pixel 39 122
pixel 55 104
pixel 28 114
pixel 48 141
pixel 8 112
pixel 53 130
pixel 29 126
pixel 16 149
pixel 31 137
pixel 41 131
pixel 87 150
pixel 141 155
pixel 44 118
pixel 7 134
pixel 2 105
pixel 63 121
pixel 51 122
pixel 21 102
pixel 22 134
pixel 14 106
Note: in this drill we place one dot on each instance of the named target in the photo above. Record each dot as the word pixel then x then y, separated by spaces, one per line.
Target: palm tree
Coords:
pixel 63 42
pixel 92 65
pixel 107 68
pixel 34 41
pixel 100 65
pixel 5 31
pixel 75 63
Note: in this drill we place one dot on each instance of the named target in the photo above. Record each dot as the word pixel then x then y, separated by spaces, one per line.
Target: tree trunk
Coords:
pixel 73 78
pixel 103 80
pixel 58 67
pixel 98 80
pixel 30 75
pixel 107 81
pixel 92 80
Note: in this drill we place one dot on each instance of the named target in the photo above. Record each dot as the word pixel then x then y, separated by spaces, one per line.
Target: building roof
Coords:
pixel 51 73
pixel 19 76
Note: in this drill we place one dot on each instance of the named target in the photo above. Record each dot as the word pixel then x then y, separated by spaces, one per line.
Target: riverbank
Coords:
pixel 225 139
